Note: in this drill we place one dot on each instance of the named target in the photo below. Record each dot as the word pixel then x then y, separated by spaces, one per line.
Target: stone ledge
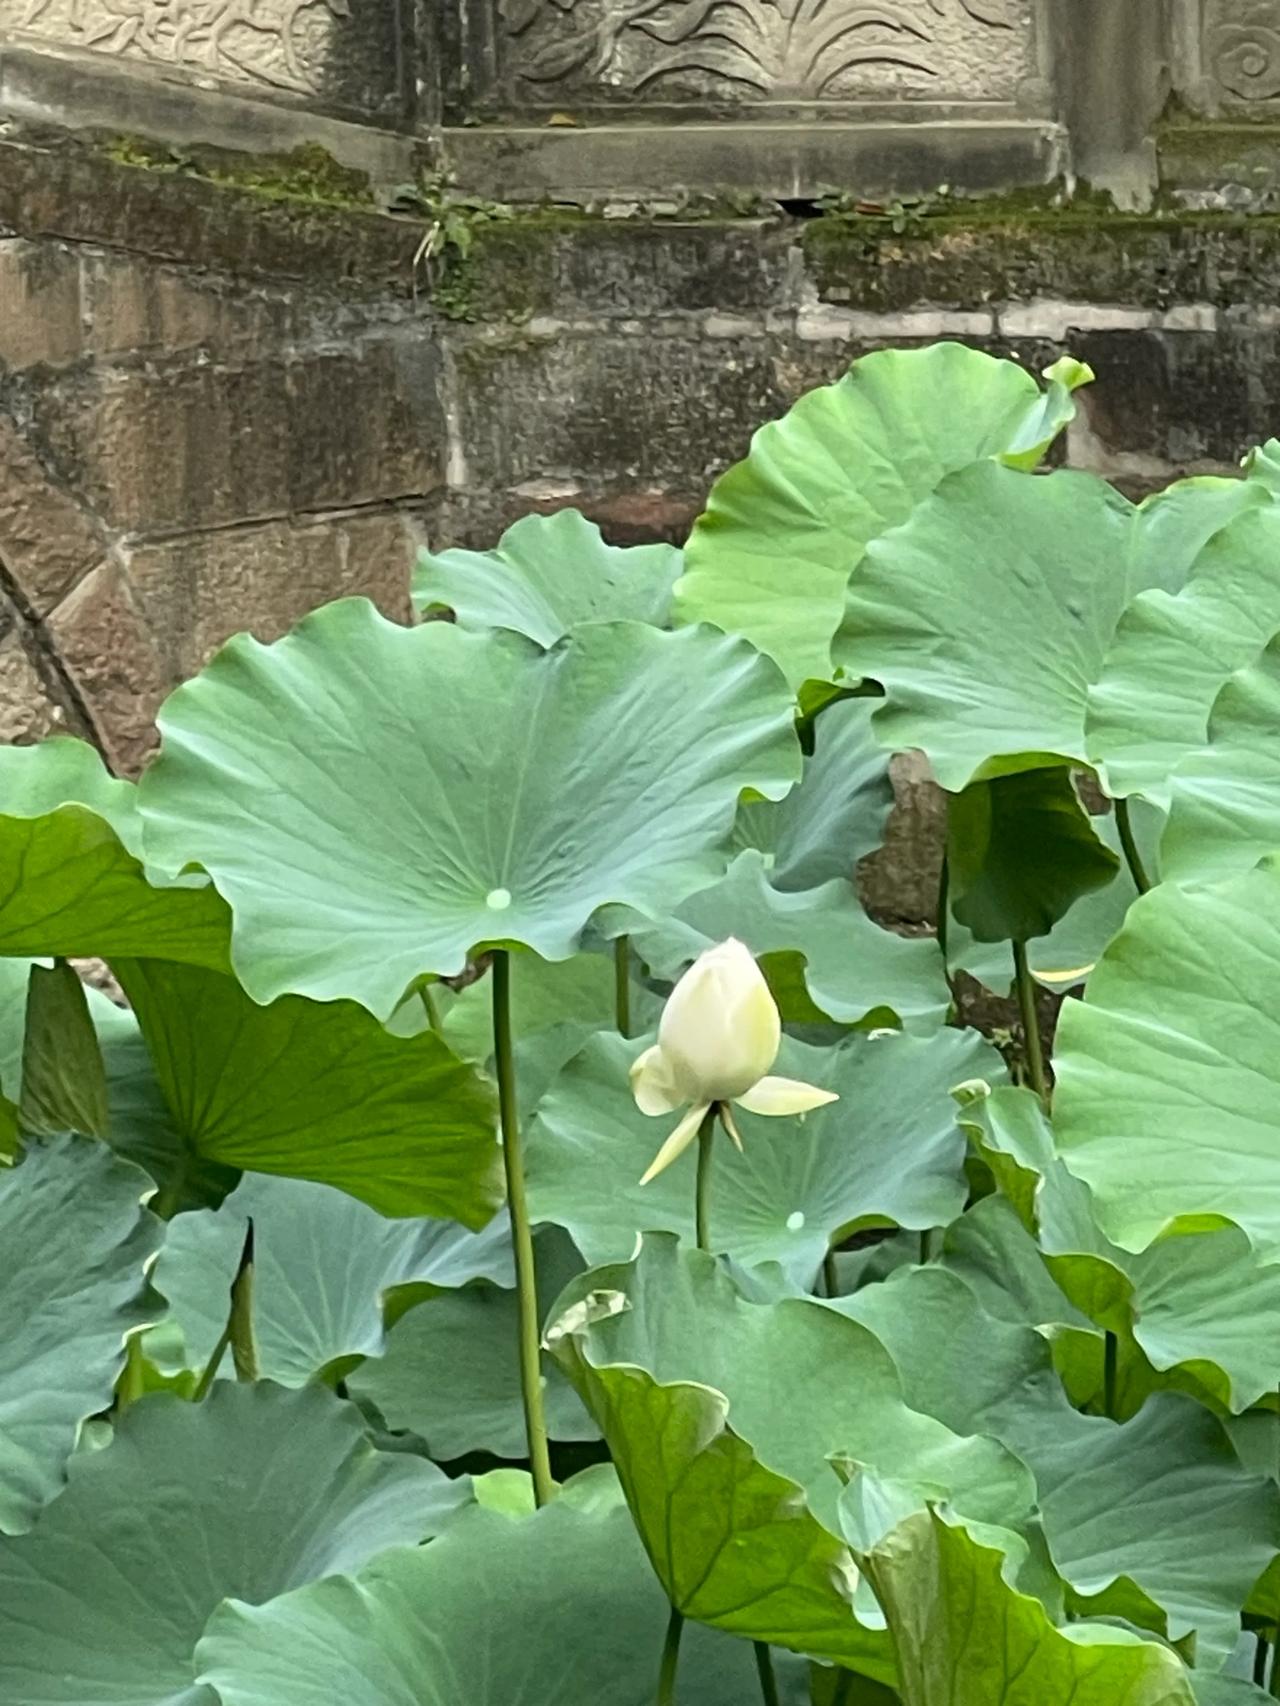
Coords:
pixel 762 159
pixel 67 190
pixel 48 89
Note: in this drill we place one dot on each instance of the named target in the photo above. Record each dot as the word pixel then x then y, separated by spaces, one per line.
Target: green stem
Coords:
pixel 926 1246
pixel 1261 1653
pixel 430 1008
pixel 1137 870
pixel 1030 1024
pixel 843 1689
pixel 670 1659
pixel 535 1420
pixel 830 1276
pixel 165 1203
pixel 764 1667
pixel 622 985
pixel 1110 1375
pixel 944 909
pixel 706 1141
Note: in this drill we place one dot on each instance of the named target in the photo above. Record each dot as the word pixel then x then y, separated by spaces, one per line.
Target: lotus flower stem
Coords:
pixel 670 1659
pixel 764 1665
pixel 1261 1652
pixel 702 1202
pixel 1137 870
pixel 1030 1023
pixel 535 1419
pixel 622 985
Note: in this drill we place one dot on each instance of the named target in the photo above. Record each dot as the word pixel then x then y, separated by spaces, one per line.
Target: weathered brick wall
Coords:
pixel 219 409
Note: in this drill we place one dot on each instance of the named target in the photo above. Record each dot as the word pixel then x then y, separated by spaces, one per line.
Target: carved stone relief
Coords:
pixel 1242 50
pixel 798 50
pixel 276 44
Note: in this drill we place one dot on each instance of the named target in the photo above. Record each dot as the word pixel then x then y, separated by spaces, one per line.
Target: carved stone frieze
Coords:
pixel 285 45
pixel 1241 51
pixel 771 50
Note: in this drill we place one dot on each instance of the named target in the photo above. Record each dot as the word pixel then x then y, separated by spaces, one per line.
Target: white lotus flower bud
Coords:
pixel 718 1037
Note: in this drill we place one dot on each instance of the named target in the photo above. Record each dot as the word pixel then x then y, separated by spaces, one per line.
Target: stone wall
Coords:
pixel 253 347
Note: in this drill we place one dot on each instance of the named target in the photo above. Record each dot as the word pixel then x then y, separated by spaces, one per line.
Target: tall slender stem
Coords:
pixel 1261 1652
pixel 1030 1023
pixel 943 928
pixel 1137 870
pixel 764 1668
pixel 830 1275
pixel 622 985
pixel 535 1420
pixel 702 1202
pixel 843 1689
pixel 670 1659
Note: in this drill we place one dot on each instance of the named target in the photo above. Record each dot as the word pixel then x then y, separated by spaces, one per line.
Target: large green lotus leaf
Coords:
pixel 1075 572
pixel 323 1265
pixel 245 1496
pixel 965 1637
pixel 547 574
pixel 1197 1304
pixel 1176 645
pixel 823 957
pixel 838 812
pixel 1224 815
pixel 64 1084
pixel 71 873
pixel 785 529
pixel 887 1153
pixel 1215 1526
pixel 77 1244
pixel 142 1129
pixel 721 1415
pixel 450 1372
pixel 1021 850
pixel 376 802
pixel 554 1609
pixel 318 1091
pixel 1166 1072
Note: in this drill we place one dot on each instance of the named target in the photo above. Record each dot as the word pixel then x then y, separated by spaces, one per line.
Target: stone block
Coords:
pixel 563 418
pixel 133 306
pixel 28 712
pixel 198 591
pixel 153 451
pixel 47 541
pixel 1240 55
pixel 107 654
pixel 39 303
pixel 899 882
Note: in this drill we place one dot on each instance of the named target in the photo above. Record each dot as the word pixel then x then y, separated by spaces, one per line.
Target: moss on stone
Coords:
pixel 308 173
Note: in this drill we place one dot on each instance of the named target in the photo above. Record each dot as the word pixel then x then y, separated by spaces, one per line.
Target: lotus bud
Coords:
pixel 718 1036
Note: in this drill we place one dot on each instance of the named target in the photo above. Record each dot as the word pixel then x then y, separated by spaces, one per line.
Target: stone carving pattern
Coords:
pixel 256 41
pixel 1242 49
pixel 797 47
